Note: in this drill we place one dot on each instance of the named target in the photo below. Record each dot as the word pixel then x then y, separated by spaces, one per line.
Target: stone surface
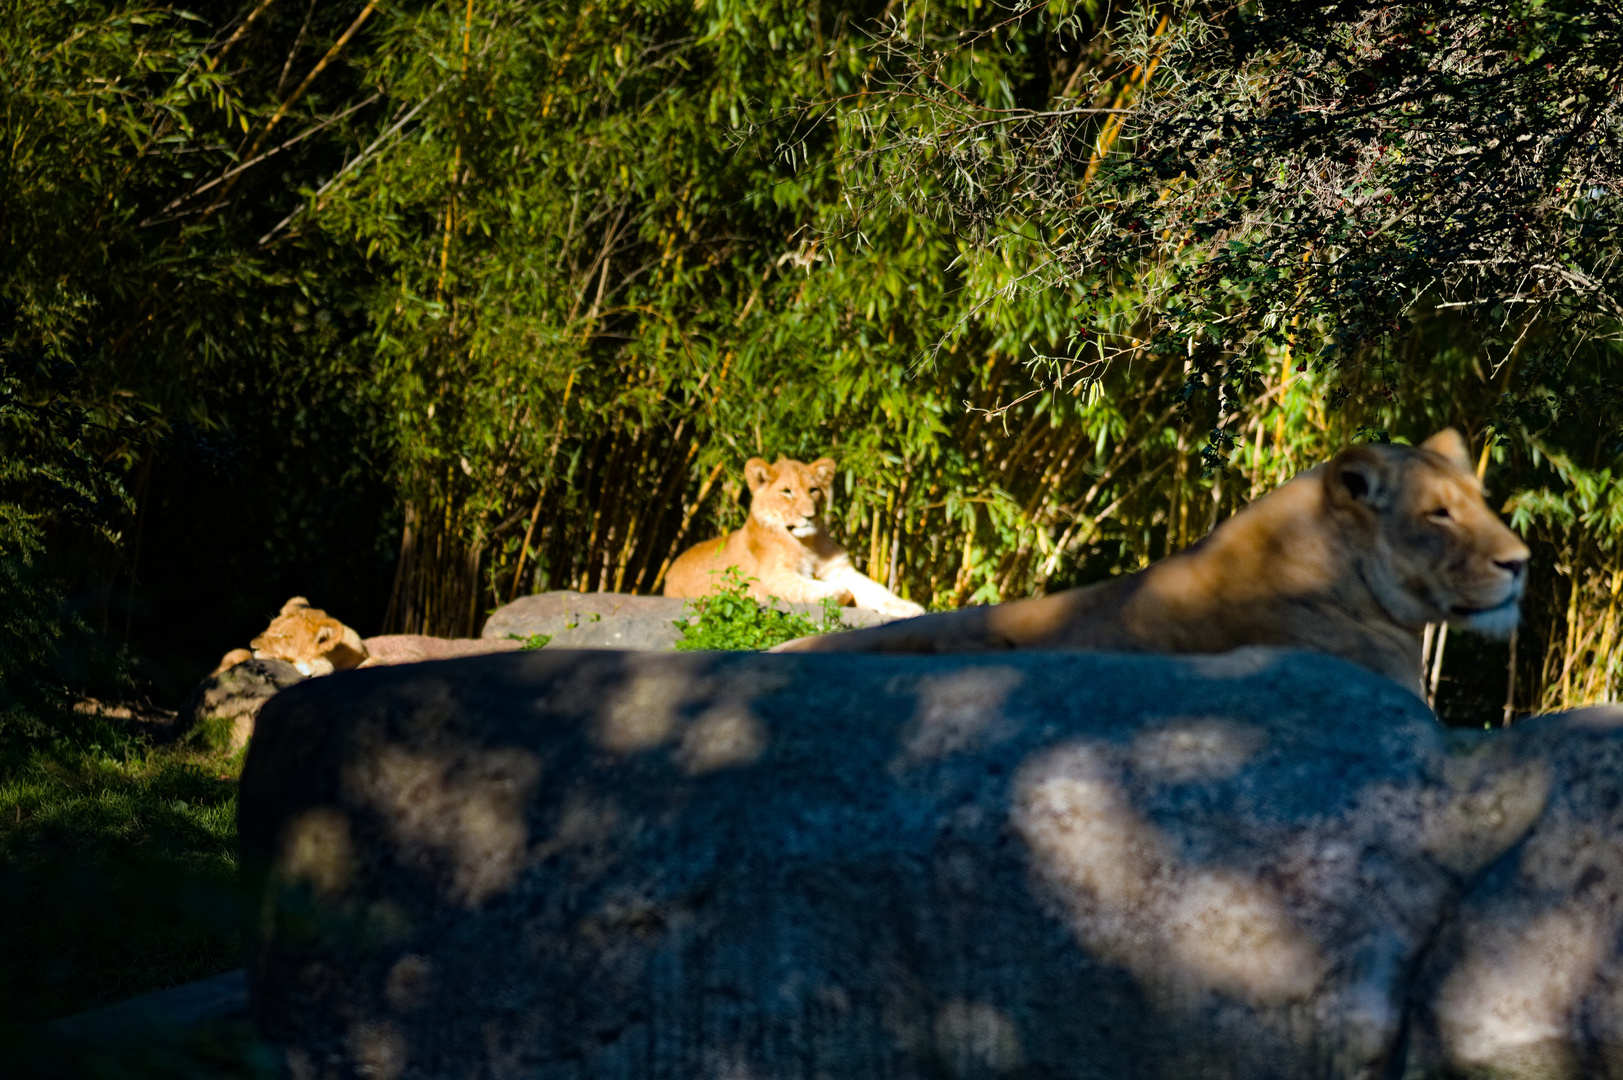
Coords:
pixel 388 649
pixel 184 1007
pixel 236 694
pixel 618 620
pixel 600 864
pixel 1526 981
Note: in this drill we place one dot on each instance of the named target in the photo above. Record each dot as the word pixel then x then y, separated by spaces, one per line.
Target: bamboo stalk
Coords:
pixel 897 527
pixel 1437 665
pixel 298 92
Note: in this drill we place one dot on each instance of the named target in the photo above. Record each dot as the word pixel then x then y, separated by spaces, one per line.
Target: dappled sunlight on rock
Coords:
pixel 1231 933
pixel 1517 990
pixel 1183 751
pixel 641 717
pixel 1487 807
pixel 958 711
pixel 466 809
pixel 318 851
pixel 975 1038
pixel 409 983
pixel 584 830
pixel 379 1048
pixel 1523 982
pixel 602 865
pixel 1180 929
pixel 722 737
pixel 713 725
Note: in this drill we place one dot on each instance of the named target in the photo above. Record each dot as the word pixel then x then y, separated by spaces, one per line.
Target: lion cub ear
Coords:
pixel 297 603
pixel 756 474
pixel 1449 444
pixel 822 471
pixel 1357 475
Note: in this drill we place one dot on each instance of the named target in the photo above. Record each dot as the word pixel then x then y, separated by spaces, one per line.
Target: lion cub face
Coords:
pixel 789 494
pixel 310 640
pixel 1432 548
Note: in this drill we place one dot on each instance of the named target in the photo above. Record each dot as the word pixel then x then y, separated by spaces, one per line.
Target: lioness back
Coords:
pixel 1352 558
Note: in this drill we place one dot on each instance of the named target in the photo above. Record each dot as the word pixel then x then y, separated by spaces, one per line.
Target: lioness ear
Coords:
pixel 1450 444
pixel 297 603
pixel 822 471
pixel 756 473
pixel 325 634
pixel 1357 475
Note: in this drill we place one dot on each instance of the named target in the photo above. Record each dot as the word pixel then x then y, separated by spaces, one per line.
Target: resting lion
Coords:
pixel 784 546
pixel 1352 558
pixel 306 637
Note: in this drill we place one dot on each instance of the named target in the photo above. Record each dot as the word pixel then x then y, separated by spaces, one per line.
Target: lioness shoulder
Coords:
pixel 784 546
pixel 1352 558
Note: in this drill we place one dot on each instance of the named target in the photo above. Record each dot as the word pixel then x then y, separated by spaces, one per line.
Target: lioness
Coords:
pixel 784 546
pixel 1352 558
pixel 306 637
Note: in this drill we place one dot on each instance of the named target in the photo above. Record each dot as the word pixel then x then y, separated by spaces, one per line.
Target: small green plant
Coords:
pixel 531 642
pixel 730 619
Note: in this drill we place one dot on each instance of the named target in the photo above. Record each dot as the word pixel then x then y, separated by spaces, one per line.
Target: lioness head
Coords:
pixel 310 640
pixel 789 494
pixel 1427 544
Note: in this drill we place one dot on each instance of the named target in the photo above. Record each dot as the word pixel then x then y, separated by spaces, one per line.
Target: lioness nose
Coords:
pixel 1515 566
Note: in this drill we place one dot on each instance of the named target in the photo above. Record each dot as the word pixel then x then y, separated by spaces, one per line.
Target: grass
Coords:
pixel 118 875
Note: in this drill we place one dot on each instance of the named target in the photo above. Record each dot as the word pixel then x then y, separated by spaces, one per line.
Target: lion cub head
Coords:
pixel 310 640
pixel 1427 544
pixel 789 494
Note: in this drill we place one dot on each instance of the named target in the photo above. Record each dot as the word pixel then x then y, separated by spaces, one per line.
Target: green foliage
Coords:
pixel 49 659
pixel 539 283
pixel 730 619
pixel 531 642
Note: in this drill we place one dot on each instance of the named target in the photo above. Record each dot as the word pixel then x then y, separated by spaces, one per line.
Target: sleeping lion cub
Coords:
pixel 1352 558
pixel 306 637
pixel 784 546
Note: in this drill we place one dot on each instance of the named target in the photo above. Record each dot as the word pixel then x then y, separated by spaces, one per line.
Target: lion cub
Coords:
pixel 306 637
pixel 784 546
pixel 1352 559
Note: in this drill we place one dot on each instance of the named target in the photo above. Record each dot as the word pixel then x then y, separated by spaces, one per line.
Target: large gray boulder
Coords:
pixel 599 864
pixel 1525 982
pixel 619 620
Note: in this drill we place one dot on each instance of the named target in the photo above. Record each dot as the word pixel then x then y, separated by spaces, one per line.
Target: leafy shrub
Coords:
pixel 730 619
pixel 49 658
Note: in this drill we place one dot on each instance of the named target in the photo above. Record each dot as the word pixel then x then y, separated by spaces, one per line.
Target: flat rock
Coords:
pixel 619 620
pixel 236 694
pixel 604 864
pixel 387 649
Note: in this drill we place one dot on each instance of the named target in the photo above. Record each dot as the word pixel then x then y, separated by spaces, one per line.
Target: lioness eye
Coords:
pixel 1440 514
pixel 787 491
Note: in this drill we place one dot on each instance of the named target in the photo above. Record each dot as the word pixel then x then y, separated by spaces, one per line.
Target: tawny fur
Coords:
pixel 306 637
pixel 1352 558
pixel 784 546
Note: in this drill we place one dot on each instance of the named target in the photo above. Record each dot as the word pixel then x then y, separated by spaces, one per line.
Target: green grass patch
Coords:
pixel 730 619
pixel 118 874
